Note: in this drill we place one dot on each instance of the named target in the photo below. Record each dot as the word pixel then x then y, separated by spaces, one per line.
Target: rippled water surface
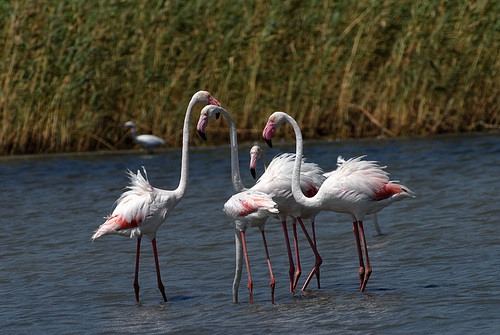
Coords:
pixel 436 269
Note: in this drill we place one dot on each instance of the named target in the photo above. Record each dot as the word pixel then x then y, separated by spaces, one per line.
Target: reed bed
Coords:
pixel 73 71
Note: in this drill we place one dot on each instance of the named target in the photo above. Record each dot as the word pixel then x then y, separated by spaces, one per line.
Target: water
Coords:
pixel 435 270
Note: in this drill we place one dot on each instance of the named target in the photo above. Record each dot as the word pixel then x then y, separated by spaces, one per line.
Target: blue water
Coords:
pixel 436 269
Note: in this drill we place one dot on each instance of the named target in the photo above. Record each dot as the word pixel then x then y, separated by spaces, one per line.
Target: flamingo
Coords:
pixel 149 142
pixel 272 182
pixel 357 188
pixel 143 208
pixel 246 209
pixel 256 152
pixel 309 170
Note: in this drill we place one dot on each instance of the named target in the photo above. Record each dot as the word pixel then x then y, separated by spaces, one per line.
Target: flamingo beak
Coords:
pixel 268 132
pixel 252 171
pixel 202 124
pixel 202 135
pixel 254 156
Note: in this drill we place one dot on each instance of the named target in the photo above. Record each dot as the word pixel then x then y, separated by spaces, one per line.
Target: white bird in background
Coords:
pixel 271 183
pixel 149 142
pixel 357 188
pixel 143 208
pixel 311 179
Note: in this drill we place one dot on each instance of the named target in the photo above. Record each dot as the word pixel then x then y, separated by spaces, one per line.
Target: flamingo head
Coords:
pixel 275 120
pixel 206 98
pixel 206 114
pixel 255 153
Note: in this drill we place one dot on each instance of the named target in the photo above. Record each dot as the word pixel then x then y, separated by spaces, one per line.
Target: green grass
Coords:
pixel 73 71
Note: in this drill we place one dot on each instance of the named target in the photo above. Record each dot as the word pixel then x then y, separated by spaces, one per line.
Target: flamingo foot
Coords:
pixel 162 291
pixel 315 271
pixel 273 284
pixel 297 276
pixel 136 289
pixel 250 290
pixel 365 279
pixel 361 276
pixel 291 272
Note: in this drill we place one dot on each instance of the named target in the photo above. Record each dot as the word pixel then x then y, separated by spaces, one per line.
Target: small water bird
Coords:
pixel 149 142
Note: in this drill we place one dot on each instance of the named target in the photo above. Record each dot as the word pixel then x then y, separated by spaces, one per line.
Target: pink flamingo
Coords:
pixel 246 209
pixel 272 182
pixel 357 188
pixel 143 208
pixel 311 179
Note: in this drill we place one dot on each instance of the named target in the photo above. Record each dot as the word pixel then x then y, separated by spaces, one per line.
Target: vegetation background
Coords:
pixel 73 71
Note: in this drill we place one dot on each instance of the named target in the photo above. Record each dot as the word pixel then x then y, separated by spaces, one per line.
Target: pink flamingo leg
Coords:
pixel 290 259
pixel 136 278
pixel 299 269
pixel 160 284
pixel 318 262
pixel 250 283
pixel 360 254
pixel 316 245
pixel 269 265
pixel 368 270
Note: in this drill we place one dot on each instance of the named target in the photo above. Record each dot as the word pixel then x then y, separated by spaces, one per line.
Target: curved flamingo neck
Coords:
pixel 181 189
pixel 296 190
pixel 235 162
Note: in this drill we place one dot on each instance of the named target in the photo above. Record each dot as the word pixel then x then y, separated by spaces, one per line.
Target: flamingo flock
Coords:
pixel 289 187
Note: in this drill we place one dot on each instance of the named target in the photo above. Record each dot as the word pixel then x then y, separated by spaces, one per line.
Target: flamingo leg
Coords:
pixel 316 245
pixel 269 265
pixel 290 259
pixel 136 277
pixel 360 254
pixel 160 284
pixel 250 283
pixel 375 223
pixel 296 242
pixel 368 270
pixel 318 261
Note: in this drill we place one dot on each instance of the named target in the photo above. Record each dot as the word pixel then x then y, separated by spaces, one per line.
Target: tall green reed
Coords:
pixel 72 72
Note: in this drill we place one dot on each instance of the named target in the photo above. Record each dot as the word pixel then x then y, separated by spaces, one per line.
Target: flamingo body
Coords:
pixel 140 210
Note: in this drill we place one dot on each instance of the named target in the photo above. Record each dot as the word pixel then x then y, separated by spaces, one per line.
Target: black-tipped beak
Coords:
pixel 269 143
pixel 202 135
pixel 217 115
pixel 252 171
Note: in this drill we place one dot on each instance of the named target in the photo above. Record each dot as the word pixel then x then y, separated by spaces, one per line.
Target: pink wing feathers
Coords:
pixel 132 208
pixel 249 202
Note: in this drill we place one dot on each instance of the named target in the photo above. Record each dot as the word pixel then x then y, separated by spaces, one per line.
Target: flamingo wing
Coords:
pixel 132 208
pixel 360 177
pixel 248 203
